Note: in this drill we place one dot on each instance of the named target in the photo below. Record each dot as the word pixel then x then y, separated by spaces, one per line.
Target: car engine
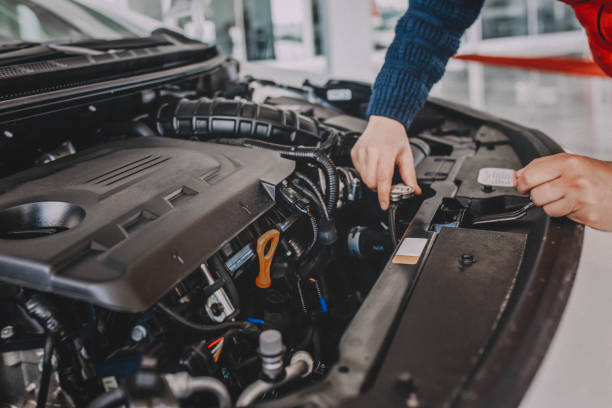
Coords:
pixel 207 242
pixel 201 248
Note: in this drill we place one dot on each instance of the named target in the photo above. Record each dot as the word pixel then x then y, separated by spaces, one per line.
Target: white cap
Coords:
pixel 270 343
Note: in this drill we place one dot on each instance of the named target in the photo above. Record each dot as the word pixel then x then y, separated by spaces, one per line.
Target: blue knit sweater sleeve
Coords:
pixel 425 38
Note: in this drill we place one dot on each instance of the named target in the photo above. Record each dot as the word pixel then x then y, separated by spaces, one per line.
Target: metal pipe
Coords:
pixel 183 385
pixel 258 388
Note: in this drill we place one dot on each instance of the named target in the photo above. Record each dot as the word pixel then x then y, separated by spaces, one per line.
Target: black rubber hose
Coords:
pixel 205 119
pixel 314 189
pixel 44 313
pixel 328 167
pixel 45 377
pixel 203 328
pixel 109 399
pixel 313 156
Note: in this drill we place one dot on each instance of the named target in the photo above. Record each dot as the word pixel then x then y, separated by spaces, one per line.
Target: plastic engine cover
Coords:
pixel 122 224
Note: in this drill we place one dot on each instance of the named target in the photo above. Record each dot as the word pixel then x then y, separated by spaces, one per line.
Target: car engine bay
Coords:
pixel 207 242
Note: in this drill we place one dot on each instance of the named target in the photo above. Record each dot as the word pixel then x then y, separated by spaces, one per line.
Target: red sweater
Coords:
pixel 596 17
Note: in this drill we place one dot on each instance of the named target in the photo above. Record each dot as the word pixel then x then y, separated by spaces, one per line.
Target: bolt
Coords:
pixel 7 332
pixel 488 189
pixel 216 309
pixel 139 333
pixel 467 260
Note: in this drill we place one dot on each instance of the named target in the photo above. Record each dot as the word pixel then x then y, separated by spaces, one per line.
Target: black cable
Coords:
pixel 392 223
pixel 203 328
pixel 328 167
pixel 314 189
pixel 109 399
pixel 315 236
pixel 314 156
pixel 321 209
pixel 45 377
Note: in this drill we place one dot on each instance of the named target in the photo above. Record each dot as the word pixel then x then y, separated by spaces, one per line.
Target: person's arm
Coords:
pixel 570 185
pixel 425 39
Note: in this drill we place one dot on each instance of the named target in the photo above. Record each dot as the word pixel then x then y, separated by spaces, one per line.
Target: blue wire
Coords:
pixel 323 304
pixel 255 321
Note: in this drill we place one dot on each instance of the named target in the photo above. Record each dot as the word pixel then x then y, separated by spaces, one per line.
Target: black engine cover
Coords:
pixel 122 224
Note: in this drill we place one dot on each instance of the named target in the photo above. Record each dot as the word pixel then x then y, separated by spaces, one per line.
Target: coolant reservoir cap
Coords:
pixel 401 192
pixel 270 343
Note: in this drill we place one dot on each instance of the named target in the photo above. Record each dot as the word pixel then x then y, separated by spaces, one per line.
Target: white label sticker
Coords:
pixel 410 251
pixel 339 95
pixel 495 177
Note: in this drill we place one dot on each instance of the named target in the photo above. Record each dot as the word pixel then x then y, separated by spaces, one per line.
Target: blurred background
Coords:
pixel 291 40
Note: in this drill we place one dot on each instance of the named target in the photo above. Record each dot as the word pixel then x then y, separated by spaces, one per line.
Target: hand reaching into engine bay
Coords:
pixel 382 146
pixel 570 185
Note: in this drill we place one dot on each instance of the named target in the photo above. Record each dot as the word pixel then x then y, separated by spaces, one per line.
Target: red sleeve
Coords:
pixel 596 18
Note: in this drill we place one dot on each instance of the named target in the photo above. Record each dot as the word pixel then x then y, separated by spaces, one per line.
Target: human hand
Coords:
pixel 382 146
pixel 570 185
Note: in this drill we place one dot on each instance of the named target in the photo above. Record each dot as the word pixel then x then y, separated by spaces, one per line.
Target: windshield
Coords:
pixel 59 21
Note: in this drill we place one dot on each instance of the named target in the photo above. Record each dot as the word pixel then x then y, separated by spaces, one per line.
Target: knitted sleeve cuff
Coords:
pixel 398 95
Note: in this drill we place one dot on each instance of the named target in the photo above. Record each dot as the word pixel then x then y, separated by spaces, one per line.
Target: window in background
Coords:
pixel 60 21
pixel 554 16
pixel 258 29
pixel 221 13
pixel 504 18
pixel 385 14
pixel 290 21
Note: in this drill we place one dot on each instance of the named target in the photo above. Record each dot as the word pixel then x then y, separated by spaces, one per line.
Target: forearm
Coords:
pixel 426 37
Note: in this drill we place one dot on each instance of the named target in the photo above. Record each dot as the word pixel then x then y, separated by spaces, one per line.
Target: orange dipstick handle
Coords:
pixel 265 259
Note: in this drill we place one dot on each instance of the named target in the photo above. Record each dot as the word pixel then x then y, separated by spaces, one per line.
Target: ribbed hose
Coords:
pixel 328 167
pixel 205 119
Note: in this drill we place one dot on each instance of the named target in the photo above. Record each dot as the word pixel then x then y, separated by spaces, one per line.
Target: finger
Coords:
pixel 360 162
pixel 539 171
pixel 384 177
pixel 369 165
pixel 359 159
pixel 549 192
pixel 407 172
pixel 559 208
